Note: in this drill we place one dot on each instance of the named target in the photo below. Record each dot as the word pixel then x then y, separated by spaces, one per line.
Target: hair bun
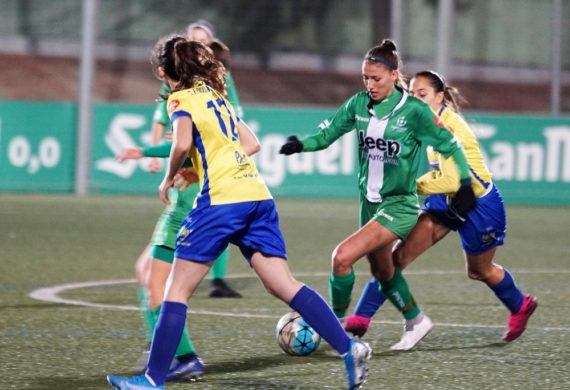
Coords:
pixel 389 44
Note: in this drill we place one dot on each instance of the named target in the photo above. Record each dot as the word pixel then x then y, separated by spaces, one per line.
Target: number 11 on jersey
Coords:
pixel 216 105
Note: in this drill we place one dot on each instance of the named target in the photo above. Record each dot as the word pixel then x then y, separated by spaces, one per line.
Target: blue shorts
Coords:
pixel 252 226
pixel 485 226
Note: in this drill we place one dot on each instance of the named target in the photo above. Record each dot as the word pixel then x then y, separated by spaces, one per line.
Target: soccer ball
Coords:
pixel 295 336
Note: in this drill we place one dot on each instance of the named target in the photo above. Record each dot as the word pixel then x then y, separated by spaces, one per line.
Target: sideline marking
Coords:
pixel 51 294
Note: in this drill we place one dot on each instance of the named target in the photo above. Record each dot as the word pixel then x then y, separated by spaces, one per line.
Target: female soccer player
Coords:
pixel 201 31
pixel 234 206
pixel 153 265
pixel 481 232
pixel 391 126
pixel 153 273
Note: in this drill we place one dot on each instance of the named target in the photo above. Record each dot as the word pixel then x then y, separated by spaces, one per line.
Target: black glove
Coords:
pixel 463 201
pixel 293 145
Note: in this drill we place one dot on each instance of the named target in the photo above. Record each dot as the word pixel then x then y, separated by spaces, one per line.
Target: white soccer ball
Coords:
pixel 295 336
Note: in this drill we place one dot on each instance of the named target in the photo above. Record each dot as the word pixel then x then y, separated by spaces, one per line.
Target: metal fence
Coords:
pixel 519 41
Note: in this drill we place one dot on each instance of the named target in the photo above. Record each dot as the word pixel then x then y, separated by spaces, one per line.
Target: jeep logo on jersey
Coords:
pixel 391 147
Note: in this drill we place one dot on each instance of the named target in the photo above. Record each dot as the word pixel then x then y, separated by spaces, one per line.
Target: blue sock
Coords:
pixel 315 311
pixel 371 299
pixel 508 292
pixel 165 340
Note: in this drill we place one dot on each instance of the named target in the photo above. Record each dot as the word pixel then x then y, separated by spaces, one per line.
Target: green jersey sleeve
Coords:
pixel 160 114
pixel 432 131
pixel 162 150
pixel 333 128
pixel 233 95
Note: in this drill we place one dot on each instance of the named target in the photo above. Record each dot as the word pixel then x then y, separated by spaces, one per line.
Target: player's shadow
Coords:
pixel 68 382
pixel 256 363
pixel 278 382
pixel 496 344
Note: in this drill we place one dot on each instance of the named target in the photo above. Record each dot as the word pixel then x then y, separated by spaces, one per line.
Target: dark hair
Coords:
pixel 187 62
pixel 221 52
pixel 162 55
pixel 386 54
pixel 451 96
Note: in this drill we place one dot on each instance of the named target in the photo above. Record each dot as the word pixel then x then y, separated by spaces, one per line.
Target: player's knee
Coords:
pixel 399 258
pixel 473 274
pixel 479 274
pixel 402 256
pixel 341 261
pixel 283 291
pixel 271 291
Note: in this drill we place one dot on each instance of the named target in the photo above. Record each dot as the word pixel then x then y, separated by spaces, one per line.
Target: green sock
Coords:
pixel 398 292
pixel 340 292
pixel 148 317
pixel 220 266
pixel 185 347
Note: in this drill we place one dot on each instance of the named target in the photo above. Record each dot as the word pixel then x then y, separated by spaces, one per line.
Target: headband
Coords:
pixel 379 60
pixel 437 76
pixel 203 26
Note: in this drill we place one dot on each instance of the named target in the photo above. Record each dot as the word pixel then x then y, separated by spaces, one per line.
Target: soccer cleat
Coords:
pixel 191 369
pixel 517 322
pixel 414 331
pixel 139 382
pixel 357 325
pixel 220 289
pixel 355 361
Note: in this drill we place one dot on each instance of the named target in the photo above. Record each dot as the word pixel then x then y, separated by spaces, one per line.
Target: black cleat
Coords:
pixel 220 289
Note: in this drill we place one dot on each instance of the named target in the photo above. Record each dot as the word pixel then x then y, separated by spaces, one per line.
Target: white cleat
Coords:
pixel 414 331
pixel 355 361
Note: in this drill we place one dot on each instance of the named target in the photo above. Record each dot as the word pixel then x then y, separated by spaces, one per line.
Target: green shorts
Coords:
pixel 168 224
pixel 162 253
pixel 398 213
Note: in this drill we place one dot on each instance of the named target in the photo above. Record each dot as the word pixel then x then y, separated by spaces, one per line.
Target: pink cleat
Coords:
pixel 517 322
pixel 357 325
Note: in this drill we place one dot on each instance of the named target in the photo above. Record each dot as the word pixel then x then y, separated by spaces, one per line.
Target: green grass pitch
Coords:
pixel 48 241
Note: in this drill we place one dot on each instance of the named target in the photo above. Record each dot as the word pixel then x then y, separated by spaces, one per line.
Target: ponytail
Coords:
pixel 387 54
pixel 187 62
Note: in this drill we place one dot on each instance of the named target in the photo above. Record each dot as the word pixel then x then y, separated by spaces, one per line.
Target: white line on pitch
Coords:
pixel 51 294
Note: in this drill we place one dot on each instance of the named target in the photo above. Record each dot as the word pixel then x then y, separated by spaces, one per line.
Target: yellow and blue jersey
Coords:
pixel 227 174
pixel 444 176
pixel 486 225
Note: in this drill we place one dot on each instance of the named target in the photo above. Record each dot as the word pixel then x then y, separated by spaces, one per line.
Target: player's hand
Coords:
pixel 163 189
pixel 185 178
pixel 293 145
pixel 154 165
pixel 130 154
pixel 168 136
pixel 463 201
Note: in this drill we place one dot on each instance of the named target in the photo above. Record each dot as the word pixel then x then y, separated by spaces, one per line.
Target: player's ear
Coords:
pixel 394 75
pixel 439 97
pixel 161 73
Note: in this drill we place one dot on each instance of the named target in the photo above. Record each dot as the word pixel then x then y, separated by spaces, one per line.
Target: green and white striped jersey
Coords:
pixel 390 134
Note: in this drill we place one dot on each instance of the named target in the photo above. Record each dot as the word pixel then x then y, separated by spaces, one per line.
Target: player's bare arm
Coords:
pixel 248 139
pixel 181 144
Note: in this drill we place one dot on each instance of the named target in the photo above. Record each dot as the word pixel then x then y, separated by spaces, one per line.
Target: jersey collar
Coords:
pixel 386 107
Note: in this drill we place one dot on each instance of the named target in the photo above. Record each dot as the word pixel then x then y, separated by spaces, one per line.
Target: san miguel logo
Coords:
pixel 173 105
